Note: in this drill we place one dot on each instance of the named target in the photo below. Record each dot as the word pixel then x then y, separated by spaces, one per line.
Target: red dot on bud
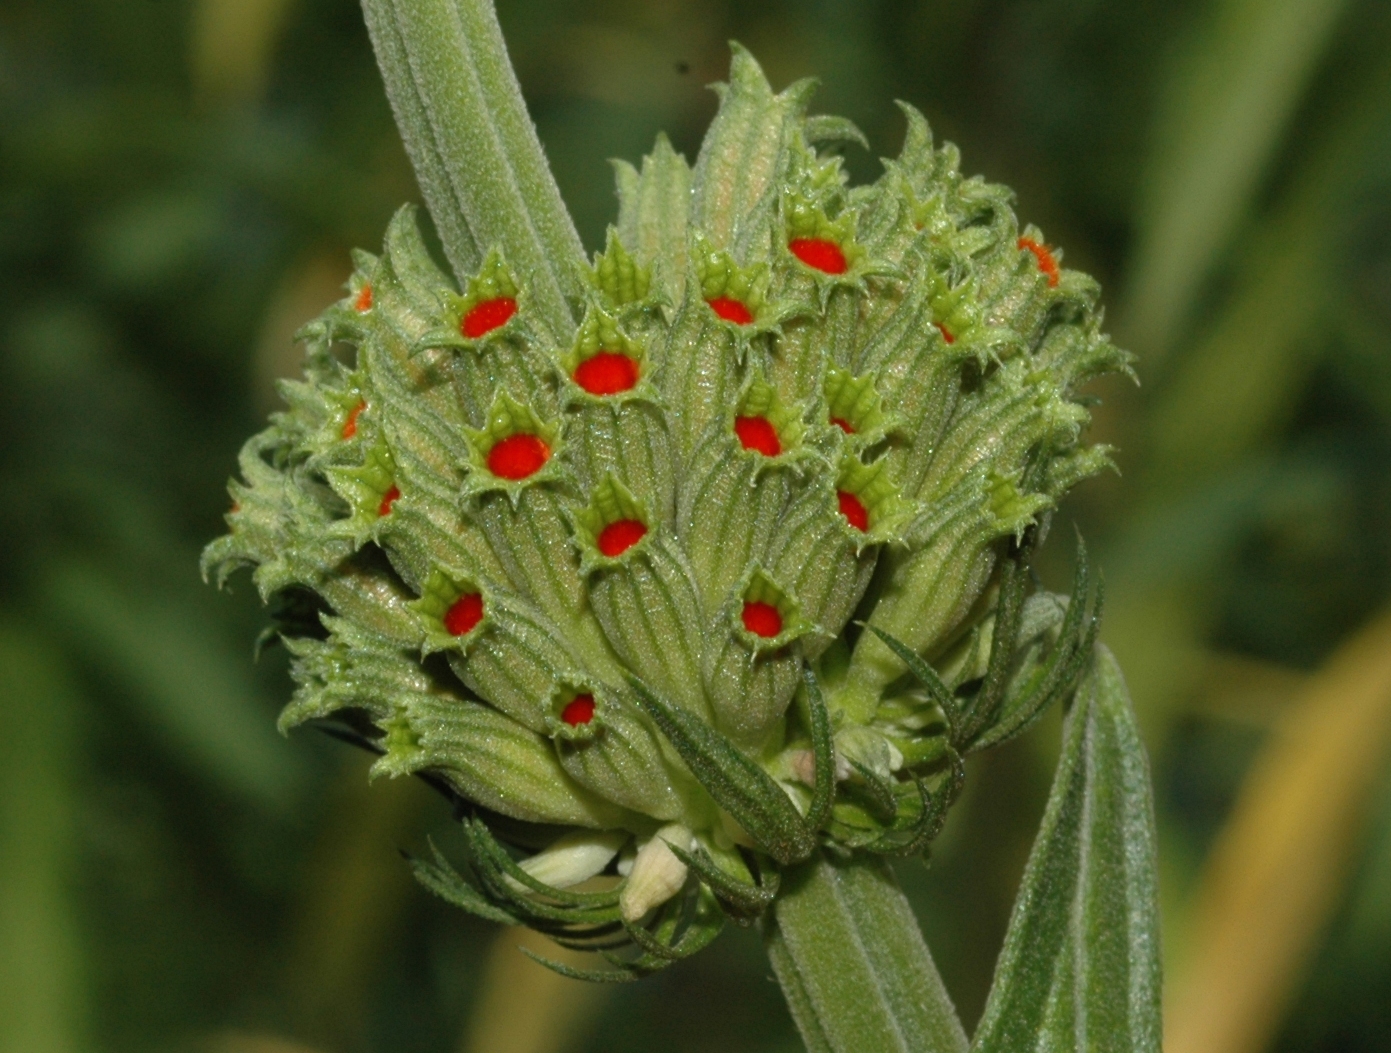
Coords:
pixel 617 538
pixel 518 456
pixel 758 433
pixel 483 318
pixel 362 303
pixel 463 614
pixel 1047 263
pixel 947 334
pixel 853 509
pixel 350 423
pixel 388 499
pixel 844 425
pixel 579 710
pixel 731 310
pixel 762 619
pixel 819 253
pixel 606 373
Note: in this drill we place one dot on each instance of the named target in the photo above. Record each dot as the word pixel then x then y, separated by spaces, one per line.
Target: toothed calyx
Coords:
pixel 622 283
pixel 513 451
pixel 613 523
pixel 604 361
pixel 735 569
pixel 489 301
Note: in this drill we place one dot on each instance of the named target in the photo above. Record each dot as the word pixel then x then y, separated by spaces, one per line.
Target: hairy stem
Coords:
pixel 853 965
pixel 480 165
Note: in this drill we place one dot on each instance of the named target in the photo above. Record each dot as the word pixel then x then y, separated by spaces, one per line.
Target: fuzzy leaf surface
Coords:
pixel 1080 965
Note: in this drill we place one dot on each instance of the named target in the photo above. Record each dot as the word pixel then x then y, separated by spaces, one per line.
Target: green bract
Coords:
pixel 611 585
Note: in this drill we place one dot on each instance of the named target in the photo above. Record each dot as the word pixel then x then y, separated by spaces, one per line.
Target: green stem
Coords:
pixel 853 965
pixel 480 165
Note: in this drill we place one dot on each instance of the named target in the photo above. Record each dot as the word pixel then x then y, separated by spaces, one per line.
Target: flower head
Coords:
pixel 610 586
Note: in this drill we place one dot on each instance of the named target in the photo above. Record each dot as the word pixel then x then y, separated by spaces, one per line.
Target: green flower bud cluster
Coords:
pixel 737 569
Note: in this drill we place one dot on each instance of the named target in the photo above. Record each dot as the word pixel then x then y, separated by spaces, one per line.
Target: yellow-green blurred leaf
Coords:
pixel 42 986
pixel 1278 869
pixel 523 1007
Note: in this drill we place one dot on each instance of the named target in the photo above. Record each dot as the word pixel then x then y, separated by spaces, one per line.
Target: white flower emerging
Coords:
pixel 657 873
pixel 575 857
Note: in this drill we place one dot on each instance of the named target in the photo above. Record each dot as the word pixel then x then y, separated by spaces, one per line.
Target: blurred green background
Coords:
pixel 180 183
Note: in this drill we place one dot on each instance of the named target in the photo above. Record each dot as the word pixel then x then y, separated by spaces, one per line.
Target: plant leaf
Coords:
pixel 444 881
pixel 1080 965
pixel 925 674
pixel 733 894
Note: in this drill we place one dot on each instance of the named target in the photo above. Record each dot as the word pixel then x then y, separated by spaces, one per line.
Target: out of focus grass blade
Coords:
pixel 524 1007
pixel 247 1042
pixel 350 901
pixel 1234 384
pixel 1230 391
pixel 42 996
pixel 1228 106
pixel 232 46
pixel 1277 870
pixel 196 691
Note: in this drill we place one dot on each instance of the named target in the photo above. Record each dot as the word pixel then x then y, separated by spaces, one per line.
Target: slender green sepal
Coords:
pixel 823 754
pixel 444 881
pixel 594 976
pixel 925 674
pixel 735 782
pixel 1055 678
pixel 982 710
pixel 742 898
pixel 876 790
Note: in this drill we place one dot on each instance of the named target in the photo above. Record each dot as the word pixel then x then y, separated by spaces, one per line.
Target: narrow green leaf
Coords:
pixel 596 976
pixel 1080 965
pixel 858 976
pixel 984 708
pixel 736 783
pixel 916 837
pixel 683 929
pixel 480 165
pixel 877 792
pixel 444 881
pixel 489 856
